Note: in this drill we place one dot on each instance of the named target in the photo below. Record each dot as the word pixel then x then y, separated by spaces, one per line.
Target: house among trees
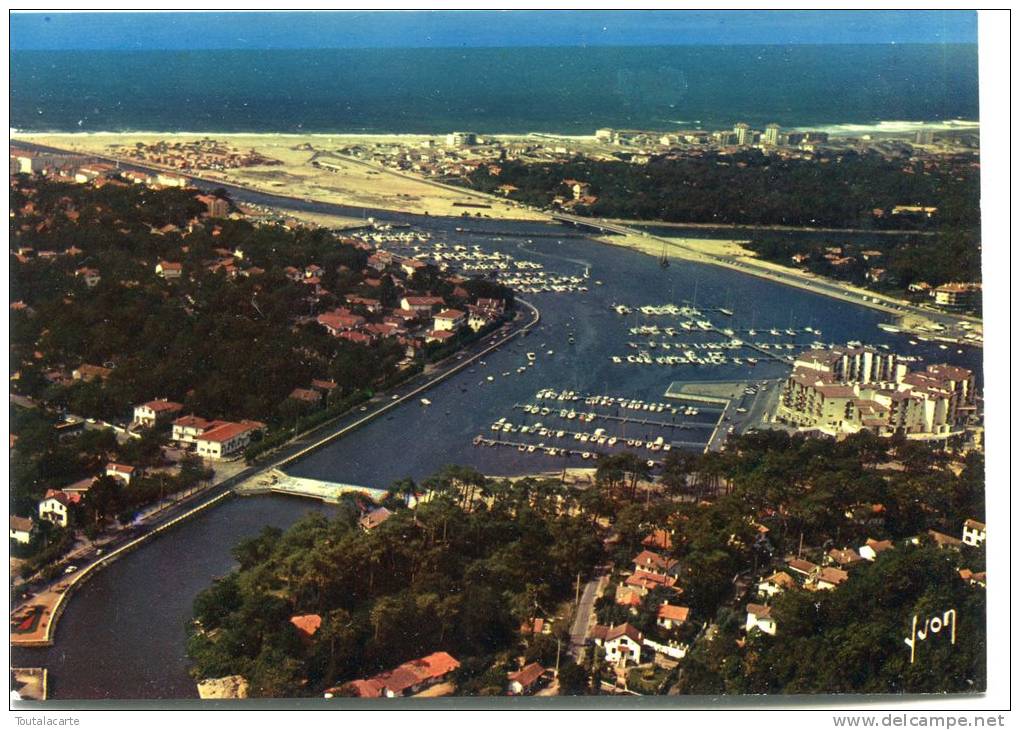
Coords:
pixel 526 680
pixel 90 276
pixel 449 319
pixel 629 597
pixel 56 506
pixel 776 583
pixel 306 395
pixel 306 624
pixel 156 412
pixel 622 643
pixel 373 518
pixel 804 569
pixel 872 548
pixel 169 270
pixel 22 529
pixel 974 533
pixel 845 558
pixel 760 617
pixel 408 679
pixel 121 472
pixel 420 304
pixel 649 562
pixel 670 616
pixel 658 539
pixel 828 579
pixel 943 540
pixel 87 373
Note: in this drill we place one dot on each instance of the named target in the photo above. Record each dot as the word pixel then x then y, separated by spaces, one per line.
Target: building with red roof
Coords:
pixel 669 616
pixel 307 624
pixel 449 319
pixel 525 680
pixel 169 269
pixel 214 439
pixel 622 643
pixel 155 412
pixel 408 679
pixel 121 472
pixel 651 562
pixel 420 304
pixel 339 321
pixel 306 395
pixel 439 336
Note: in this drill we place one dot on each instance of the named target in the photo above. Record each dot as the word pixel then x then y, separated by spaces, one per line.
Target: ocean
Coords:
pixel 491 90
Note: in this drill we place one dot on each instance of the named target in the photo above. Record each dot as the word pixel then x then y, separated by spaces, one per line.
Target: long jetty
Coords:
pixel 625 420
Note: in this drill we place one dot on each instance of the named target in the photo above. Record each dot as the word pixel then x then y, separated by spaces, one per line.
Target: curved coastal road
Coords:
pixel 90 559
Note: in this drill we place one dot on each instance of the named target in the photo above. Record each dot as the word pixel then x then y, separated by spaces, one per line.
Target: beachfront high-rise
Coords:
pixel 743 132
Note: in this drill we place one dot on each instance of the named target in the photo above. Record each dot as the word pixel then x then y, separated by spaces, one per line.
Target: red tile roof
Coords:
pixel 616 632
pixel 450 314
pixel 835 576
pixel 802 566
pixel 306 395
pixel 879 546
pixel 653 561
pixel 674 613
pixel 192 421
pixel 374 518
pixel 307 624
pixel 226 432
pixel 528 675
pixel 781 579
pixel 659 539
pixel 21 524
pixel 648 581
pixel 162 405
pixel 846 556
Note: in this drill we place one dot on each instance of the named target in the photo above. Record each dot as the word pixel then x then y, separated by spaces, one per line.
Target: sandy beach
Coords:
pixel 357 183
pixel 350 182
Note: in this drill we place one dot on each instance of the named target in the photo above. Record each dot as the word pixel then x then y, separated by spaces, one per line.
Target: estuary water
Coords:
pixel 123 635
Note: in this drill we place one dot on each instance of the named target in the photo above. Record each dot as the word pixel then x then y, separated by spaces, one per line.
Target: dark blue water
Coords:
pixel 565 90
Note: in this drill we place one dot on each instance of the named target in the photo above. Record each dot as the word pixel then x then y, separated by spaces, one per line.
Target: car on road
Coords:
pixel 70 569
pixel 741 410
pixel 363 408
pixel 394 397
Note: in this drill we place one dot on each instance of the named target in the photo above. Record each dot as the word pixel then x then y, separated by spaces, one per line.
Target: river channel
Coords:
pixel 123 635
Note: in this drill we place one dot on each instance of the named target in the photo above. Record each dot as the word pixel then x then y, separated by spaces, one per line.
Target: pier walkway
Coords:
pixel 625 419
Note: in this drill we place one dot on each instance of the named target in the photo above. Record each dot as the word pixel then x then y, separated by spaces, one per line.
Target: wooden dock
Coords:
pixel 561 451
pixel 624 419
